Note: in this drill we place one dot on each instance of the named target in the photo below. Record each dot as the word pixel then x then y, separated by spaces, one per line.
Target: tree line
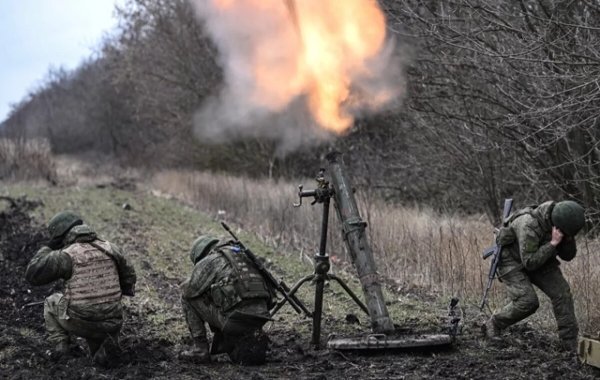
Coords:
pixel 502 99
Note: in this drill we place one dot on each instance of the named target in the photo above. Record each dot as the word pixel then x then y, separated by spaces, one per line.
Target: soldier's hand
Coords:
pixel 557 236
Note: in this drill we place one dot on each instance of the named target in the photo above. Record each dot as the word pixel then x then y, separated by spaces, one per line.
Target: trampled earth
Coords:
pixel 150 351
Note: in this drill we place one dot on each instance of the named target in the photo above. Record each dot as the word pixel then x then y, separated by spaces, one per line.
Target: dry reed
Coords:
pixel 22 159
pixel 416 248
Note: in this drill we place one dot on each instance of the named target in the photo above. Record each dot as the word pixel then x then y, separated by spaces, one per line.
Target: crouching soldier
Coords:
pixel 535 238
pixel 226 291
pixel 96 275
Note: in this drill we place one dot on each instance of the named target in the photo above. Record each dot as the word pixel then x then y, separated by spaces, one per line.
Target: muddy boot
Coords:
pixel 108 353
pixel 491 330
pixel 60 350
pixel 198 354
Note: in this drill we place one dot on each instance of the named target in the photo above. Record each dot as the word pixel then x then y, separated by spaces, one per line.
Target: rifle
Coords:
pixel 34 303
pixel 280 286
pixel 495 251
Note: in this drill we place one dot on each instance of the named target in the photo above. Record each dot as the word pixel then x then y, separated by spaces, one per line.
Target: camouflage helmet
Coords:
pixel 568 216
pixel 201 247
pixel 62 222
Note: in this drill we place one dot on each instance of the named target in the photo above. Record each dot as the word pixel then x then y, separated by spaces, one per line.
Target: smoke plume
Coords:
pixel 297 71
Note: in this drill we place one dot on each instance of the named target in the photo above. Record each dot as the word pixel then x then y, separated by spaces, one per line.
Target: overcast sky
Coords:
pixel 38 34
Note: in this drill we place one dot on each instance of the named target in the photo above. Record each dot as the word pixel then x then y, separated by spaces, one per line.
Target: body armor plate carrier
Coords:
pixel 95 279
pixel 246 283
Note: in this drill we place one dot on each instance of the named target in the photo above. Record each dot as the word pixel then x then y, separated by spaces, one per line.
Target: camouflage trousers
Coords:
pixel 199 310
pixel 524 300
pixel 247 317
pixel 59 325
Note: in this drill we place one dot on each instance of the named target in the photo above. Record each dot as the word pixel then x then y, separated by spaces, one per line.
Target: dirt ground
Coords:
pixel 522 354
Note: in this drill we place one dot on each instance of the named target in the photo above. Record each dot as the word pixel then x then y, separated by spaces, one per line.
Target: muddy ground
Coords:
pixel 24 353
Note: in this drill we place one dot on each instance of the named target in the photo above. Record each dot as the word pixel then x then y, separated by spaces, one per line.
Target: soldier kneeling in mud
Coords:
pixel 226 291
pixel 533 239
pixel 96 275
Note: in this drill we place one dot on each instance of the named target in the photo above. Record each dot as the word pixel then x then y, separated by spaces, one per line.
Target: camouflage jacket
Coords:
pixel 531 249
pixel 226 278
pixel 51 265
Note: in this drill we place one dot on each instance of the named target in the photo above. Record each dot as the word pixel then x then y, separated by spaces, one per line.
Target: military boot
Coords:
pixel 108 353
pixel 492 331
pixel 198 354
pixel 60 350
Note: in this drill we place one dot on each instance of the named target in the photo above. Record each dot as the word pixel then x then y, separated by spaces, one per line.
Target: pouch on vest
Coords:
pixel 224 296
pixel 248 282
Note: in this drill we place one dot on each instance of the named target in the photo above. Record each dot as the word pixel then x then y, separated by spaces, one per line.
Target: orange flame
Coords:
pixel 312 48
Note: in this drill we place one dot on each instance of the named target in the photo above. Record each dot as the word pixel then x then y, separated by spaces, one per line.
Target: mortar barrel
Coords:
pixel 354 230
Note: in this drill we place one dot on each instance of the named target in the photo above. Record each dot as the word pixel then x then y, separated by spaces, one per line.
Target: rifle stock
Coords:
pixel 495 251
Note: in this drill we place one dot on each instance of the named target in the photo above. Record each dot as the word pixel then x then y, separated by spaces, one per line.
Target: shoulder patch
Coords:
pixel 531 245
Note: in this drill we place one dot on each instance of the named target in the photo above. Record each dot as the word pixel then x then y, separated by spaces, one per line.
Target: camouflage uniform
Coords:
pixel 96 275
pixel 227 292
pixel 531 260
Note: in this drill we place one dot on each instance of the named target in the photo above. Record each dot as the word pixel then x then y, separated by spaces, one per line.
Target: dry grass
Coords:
pixel 26 160
pixel 417 248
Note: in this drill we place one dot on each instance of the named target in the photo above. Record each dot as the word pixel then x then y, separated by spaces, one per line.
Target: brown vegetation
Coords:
pixel 22 159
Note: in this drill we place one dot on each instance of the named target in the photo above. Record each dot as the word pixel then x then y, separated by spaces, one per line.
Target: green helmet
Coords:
pixel 568 216
pixel 201 247
pixel 62 222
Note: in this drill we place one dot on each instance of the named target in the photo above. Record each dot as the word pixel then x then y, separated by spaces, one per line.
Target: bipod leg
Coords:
pixel 290 294
pixel 350 293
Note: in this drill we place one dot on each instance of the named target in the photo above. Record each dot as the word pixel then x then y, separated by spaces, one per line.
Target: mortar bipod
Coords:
pixel 322 194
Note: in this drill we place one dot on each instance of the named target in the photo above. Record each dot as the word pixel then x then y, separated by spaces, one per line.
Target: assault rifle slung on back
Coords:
pixel 495 251
pixel 280 286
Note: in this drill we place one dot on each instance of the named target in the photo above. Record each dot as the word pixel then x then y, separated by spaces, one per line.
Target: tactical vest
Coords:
pixel 94 278
pixel 245 283
pixel 507 236
pixel 527 210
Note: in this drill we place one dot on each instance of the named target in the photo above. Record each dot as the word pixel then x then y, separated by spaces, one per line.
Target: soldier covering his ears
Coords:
pixel 532 239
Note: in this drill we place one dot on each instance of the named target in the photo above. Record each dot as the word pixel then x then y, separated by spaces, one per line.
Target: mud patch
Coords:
pixel 20 238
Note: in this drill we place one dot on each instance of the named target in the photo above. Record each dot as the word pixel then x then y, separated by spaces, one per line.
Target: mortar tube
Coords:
pixel 354 231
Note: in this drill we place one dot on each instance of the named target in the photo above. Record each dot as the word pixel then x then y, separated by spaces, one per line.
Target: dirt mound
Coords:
pixel 20 238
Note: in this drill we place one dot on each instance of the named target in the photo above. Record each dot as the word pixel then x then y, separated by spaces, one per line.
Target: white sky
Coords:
pixel 36 35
